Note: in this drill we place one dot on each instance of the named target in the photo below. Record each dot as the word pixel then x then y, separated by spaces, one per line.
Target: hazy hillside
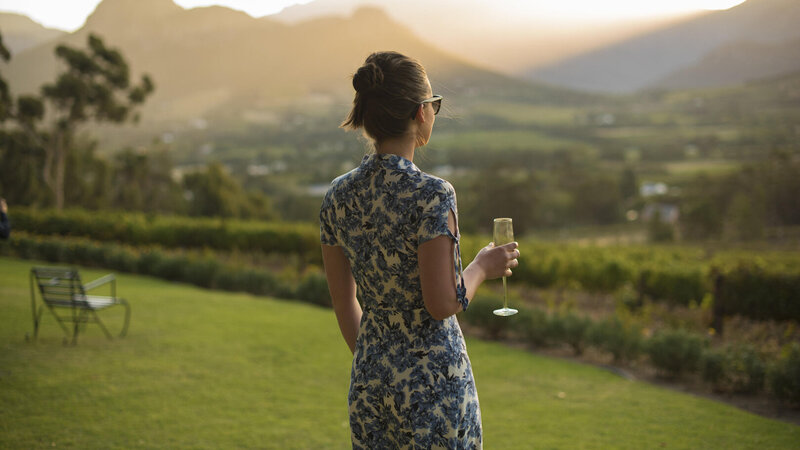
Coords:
pixel 645 60
pixel 206 58
pixel 20 33
pixel 737 62
pixel 481 32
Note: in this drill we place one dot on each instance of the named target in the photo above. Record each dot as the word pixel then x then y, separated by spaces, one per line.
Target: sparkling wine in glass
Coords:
pixel 504 234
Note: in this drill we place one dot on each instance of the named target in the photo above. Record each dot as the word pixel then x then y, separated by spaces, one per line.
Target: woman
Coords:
pixel 390 233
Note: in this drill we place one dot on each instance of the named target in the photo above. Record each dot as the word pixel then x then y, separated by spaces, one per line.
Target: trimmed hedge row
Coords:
pixel 756 285
pixel 759 285
pixel 199 269
pixel 138 229
pixel 757 292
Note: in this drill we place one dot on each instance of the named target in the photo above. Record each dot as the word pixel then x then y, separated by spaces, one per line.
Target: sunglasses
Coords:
pixel 435 101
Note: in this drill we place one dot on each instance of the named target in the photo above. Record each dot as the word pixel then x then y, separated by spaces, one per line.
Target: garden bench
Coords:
pixel 61 289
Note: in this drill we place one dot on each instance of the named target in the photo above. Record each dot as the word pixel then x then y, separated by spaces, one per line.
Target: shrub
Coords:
pixel 623 341
pixel 569 328
pixel 674 352
pixel 761 293
pixel 313 288
pixel 735 369
pixel 712 367
pixel 746 370
pixel 677 283
pixel 784 376
pixel 479 314
pixel 532 325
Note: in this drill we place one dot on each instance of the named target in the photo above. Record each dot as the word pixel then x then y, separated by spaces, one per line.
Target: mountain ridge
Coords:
pixel 21 32
pixel 645 60
pixel 202 59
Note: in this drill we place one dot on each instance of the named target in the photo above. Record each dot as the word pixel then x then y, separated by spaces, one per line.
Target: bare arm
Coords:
pixel 342 287
pixel 437 277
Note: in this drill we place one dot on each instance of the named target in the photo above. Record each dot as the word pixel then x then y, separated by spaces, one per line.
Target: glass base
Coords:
pixel 505 312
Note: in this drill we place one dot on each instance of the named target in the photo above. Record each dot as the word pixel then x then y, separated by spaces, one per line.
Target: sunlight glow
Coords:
pixel 70 15
pixel 623 9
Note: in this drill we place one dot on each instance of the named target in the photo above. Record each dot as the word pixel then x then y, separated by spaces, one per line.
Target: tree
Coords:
pixel 143 182
pixel 94 87
pixel 213 192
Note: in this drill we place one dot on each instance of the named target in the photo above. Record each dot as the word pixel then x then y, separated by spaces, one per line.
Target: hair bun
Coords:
pixel 369 76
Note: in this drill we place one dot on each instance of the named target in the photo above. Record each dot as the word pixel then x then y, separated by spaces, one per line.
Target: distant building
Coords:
pixel 667 213
pixel 651 189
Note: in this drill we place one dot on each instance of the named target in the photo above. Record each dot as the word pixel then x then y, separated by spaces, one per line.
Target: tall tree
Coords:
pixel 95 86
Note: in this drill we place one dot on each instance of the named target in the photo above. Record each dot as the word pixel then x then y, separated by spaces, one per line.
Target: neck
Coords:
pixel 402 146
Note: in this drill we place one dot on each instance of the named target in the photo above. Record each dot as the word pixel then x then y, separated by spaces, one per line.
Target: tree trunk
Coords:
pixel 55 159
pixel 61 162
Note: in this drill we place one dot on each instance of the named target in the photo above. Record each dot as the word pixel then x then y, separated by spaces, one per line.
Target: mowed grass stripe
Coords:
pixel 207 369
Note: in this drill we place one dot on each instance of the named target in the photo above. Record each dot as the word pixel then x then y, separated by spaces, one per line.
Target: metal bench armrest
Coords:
pixel 99 282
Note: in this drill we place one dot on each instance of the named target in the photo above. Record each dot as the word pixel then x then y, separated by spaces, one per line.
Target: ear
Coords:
pixel 420 114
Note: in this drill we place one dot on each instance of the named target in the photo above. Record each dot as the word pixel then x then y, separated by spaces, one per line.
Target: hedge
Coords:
pixel 760 285
pixel 138 229
pixel 202 270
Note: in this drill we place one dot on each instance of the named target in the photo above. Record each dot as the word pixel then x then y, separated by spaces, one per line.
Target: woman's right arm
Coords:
pixel 342 287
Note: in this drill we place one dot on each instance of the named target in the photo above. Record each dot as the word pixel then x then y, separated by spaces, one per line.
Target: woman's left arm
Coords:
pixel 342 287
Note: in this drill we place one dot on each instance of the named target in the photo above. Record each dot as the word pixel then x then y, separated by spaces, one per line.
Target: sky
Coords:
pixel 69 15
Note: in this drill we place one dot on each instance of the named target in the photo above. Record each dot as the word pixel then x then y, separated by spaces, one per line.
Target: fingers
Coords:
pixel 510 246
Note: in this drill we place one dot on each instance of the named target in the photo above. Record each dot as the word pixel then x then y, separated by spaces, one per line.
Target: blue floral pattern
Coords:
pixel 411 383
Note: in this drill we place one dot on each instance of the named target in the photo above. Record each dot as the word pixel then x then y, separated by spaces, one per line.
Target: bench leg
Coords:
pixel 127 306
pixel 105 330
pixel 37 319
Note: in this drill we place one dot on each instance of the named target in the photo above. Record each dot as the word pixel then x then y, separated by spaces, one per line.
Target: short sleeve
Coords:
pixel 436 202
pixel 327 235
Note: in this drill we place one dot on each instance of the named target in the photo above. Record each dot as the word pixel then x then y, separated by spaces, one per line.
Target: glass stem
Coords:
pixel 505 294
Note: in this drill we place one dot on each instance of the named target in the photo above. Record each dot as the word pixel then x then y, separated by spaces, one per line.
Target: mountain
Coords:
pixel 21 33
pixel 204 59
pixel 481 32
pixel 737 63
pixel 646 60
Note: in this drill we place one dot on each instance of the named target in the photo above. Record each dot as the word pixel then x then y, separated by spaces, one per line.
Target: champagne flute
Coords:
pixel 504 234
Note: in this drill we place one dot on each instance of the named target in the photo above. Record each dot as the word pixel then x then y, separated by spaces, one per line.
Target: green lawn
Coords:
pixel 206 369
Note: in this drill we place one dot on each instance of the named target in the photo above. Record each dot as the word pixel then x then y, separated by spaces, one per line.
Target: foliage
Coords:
pixel 758 284
pixel 784 376
pixel 533 324
pixel 674 352
pixel 200 269
pixel 622 340
pixel 738 369
pixel 479 314
pixel 741 205
pixel 760 291
pixel 173 231
pixel 95 86
pixel 214 193
pixel 571 329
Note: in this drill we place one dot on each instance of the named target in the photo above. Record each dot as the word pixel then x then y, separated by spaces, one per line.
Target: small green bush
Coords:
pixel 746 370
pixel 313 288
pixel 623 341
pixel 735 369
pixel 571 329
pixel 479 314
pixel 784 376
pixel 712 367
pixel 532 325
pixel 674 352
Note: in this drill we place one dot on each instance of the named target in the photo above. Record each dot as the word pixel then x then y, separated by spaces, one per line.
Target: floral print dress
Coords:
pixel 411 383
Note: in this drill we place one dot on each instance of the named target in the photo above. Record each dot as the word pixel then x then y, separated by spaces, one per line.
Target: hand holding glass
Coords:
pixel 504 234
